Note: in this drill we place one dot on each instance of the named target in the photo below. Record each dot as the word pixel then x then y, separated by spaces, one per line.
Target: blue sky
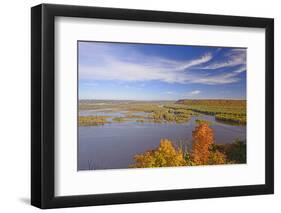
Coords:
pixel 123 71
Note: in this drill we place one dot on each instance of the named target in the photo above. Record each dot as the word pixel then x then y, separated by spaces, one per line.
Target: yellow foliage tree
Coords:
pixel 202 140
pixel 166 155
pixel 216 158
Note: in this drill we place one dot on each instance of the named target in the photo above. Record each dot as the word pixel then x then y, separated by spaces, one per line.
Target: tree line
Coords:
pixel 204 152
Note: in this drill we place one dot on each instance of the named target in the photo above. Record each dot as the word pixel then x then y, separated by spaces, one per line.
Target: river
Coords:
pixel 113 145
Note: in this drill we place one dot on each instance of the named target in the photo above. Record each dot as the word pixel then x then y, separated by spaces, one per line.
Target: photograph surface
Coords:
pixel 159 105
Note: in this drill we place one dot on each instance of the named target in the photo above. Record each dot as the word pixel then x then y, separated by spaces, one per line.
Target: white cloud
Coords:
pixel 191 94
pixel 91 84
pixel 225 78
pixel 234 58
pixel 170 92
pixel 114 69
pixel 205 58
pixel 241 69
pixel 195 92
pixel 137 67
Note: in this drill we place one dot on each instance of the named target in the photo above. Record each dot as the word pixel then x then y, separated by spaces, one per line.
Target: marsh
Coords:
pixel 113 145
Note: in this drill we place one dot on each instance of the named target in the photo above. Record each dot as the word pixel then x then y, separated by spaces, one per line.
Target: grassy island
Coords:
pixel 93 120
pixel 223 110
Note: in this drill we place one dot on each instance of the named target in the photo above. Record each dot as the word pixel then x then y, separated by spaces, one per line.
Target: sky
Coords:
pixel 131 71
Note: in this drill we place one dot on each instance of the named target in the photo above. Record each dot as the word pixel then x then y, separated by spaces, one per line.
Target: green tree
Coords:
pixel 236 152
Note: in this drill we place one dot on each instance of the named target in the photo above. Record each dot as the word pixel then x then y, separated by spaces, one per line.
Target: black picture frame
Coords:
pixel 43 102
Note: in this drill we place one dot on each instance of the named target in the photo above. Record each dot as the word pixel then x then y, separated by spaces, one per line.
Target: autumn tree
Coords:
pixel 202 140
pixel 216 157
pixel 166 155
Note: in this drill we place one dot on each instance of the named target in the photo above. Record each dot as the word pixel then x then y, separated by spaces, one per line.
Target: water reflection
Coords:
pixel 114 145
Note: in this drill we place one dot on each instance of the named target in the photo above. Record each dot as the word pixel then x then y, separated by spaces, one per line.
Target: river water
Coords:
pixel 113 146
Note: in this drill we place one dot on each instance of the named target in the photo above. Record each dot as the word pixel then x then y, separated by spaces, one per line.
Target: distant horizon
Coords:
pixel 131 71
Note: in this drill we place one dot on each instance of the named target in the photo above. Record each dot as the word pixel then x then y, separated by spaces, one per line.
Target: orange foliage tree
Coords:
pixel 166 155
pixel 204 152
pixel 202 140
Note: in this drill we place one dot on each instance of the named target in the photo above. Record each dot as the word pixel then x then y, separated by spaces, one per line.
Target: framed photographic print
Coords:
pixel 139 106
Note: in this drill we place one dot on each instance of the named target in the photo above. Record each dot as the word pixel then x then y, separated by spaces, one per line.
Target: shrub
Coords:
pixel 236 152
pixel 92 120
pixel 119 119
pixel 216 158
